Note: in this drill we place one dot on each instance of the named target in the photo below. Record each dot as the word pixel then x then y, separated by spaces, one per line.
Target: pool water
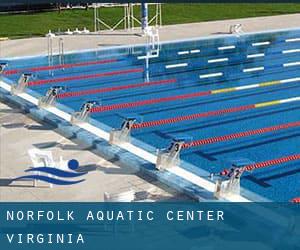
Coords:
pixel 193 77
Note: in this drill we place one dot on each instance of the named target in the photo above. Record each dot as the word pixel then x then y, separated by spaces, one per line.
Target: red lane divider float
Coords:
pixel 182 97
pixel 265 164
pixel 240 134
pixel 65 66
pixel 110 89
pixel 271 162
pixel 296 200
pixel 191 117
pixel 81 77
pixel 148 102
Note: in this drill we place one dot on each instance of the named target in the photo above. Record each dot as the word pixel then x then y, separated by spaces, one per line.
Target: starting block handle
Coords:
pixel 22 83
pixel 231 184
pixel 127 123
pixel 50 97
pixel 169 157
pixel 84 113
pixel 122 135
pixel 3 65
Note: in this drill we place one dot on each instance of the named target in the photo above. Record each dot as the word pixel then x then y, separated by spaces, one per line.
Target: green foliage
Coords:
pixel 38 24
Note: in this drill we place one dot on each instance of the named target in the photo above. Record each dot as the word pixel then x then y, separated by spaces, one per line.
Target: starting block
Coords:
pixel 3 65
pixel 122 135
pixel 225 188
pixel 50 97
pixel 170 157
pixel 22 84
pixel 84 113
pixel 231 185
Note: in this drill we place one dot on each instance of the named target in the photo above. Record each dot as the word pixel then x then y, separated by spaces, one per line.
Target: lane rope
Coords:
pixel 240 135
pixel 263 164
pixel 211 113
pixel 111 89
pixel 188 96
pixel 65 66
pixel 191 117
pixel 269 163
pixel 147 102
pixel 296 200
pixel 80 77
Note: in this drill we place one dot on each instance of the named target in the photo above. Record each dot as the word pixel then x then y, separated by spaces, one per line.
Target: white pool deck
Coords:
pixel 38 45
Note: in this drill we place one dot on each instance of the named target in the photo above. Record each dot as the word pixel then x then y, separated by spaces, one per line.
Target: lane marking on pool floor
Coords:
pixel 186 52
pixel 253 69
pixel 188 176
pixel 291 64
pixel 261 43
pixel 226 47
pixel 256 55
pixel 147 56
pixel 178 65
pixel 290 51
pixel 211 75
pixel 194 51
pixel 292 40
pixel 225 59
pixel 187 96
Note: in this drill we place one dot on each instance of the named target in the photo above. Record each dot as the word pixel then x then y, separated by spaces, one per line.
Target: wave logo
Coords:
pixel 55 175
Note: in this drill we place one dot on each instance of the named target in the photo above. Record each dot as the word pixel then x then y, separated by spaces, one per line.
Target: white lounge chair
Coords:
pixel 43 158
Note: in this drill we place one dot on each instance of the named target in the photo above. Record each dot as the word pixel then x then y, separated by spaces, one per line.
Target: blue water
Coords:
pixel 280 183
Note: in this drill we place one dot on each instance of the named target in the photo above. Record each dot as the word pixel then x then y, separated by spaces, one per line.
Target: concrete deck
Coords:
pixel 18 132
pixel 36 46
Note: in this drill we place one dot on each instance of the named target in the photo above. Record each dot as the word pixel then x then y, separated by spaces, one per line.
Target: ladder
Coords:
pixel 61 52
pixel 50 53
pixel 153 40
pixel 153 47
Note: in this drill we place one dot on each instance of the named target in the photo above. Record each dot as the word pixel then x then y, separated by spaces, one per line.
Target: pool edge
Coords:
pixel 105 150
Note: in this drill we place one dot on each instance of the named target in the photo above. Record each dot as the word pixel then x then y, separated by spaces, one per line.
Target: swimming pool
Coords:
pixel 232 99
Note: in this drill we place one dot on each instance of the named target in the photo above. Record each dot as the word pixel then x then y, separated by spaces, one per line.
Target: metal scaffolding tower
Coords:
pixel 129 20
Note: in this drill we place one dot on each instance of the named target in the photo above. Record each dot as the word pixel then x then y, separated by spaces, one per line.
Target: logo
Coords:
pixel 54 175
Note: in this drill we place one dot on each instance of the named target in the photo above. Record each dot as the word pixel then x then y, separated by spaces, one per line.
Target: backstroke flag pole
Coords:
pixel 144 10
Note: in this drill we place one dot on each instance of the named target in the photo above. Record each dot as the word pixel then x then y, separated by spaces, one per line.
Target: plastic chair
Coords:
pixel 128 196
pixel 40 158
